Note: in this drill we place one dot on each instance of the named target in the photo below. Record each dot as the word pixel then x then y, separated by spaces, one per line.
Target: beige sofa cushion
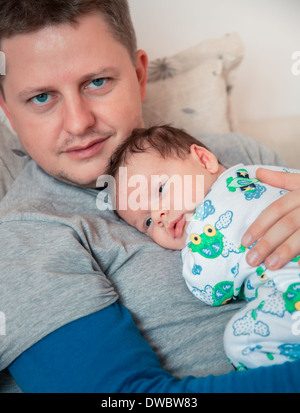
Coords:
pixel 192 89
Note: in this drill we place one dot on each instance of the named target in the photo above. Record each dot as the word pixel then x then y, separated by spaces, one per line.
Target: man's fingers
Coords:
pixel 279 245
pixel 286 252
pixel 278 210
pixel 288 181
pixel 277 230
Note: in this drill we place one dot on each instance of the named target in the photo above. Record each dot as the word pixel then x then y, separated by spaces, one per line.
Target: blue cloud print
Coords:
pixel 256 194
pixel 246 325
pixel 204 210
pixel 224 220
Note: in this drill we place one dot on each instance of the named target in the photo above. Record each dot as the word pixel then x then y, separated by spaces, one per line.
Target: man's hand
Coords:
pixel 278 226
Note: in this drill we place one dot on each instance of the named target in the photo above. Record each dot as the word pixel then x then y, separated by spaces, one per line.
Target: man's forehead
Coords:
pixel 62 52
pixel 58 35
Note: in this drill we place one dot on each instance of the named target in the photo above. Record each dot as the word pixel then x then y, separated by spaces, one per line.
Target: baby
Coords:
pixel 173 189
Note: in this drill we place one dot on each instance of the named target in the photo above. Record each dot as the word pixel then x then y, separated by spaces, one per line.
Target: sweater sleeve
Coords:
pixel 105 353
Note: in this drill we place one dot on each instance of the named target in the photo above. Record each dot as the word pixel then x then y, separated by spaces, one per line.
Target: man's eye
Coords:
pixel 41 99
pixel 98 82
pixel 148 222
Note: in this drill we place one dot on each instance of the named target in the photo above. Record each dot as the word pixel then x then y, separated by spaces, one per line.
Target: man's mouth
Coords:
pixel 177 226
pixel 87 150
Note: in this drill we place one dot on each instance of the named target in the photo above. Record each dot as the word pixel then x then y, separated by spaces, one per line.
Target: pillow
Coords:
pixel 12 158
pixel 4 120
pixel 192 89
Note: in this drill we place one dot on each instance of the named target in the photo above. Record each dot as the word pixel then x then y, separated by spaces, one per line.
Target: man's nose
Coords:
pixel 77 116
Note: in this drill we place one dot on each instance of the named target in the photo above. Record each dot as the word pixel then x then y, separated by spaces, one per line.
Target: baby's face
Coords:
pixel 158 196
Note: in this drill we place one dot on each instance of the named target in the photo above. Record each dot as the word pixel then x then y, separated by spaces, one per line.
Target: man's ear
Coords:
pixel 206 158
pixel 141 71
pixel 5 108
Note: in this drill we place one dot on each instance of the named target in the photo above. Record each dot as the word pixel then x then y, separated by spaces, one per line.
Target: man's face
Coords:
pixel 72 95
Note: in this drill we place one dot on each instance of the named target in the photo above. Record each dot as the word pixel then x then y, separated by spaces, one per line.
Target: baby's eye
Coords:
pixel 148 222
pixel 161 188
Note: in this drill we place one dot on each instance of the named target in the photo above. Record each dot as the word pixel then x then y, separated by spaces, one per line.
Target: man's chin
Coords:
pixel 82 174
pixel 79 181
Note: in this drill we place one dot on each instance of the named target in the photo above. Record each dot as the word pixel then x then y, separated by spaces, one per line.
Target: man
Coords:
pixel 73 91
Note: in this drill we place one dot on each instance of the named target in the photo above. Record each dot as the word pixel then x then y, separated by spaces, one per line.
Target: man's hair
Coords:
pixel 166 140
pixel 25 16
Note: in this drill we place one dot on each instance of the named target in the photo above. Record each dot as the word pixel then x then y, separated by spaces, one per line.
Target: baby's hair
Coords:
pixel 166 140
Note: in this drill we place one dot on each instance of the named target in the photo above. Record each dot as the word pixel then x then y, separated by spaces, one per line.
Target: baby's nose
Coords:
pixel 159 217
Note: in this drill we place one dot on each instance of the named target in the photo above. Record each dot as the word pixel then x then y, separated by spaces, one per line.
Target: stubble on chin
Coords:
pixel 68 179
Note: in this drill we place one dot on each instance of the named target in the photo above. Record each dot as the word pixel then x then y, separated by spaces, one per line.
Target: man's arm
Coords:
pixel 105 353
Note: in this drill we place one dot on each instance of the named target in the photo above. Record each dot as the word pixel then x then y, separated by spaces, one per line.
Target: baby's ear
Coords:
pixel 206 158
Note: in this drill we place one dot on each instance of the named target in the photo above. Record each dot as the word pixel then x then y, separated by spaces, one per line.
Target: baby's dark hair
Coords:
pixel 168 141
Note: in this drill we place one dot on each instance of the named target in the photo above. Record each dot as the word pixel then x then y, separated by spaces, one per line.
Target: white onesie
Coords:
pixel 267 330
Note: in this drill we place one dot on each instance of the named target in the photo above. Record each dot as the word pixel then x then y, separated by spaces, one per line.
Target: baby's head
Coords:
pixel 162 174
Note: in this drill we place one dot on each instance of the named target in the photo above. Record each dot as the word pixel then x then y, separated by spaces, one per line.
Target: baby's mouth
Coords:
pixel 176 227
